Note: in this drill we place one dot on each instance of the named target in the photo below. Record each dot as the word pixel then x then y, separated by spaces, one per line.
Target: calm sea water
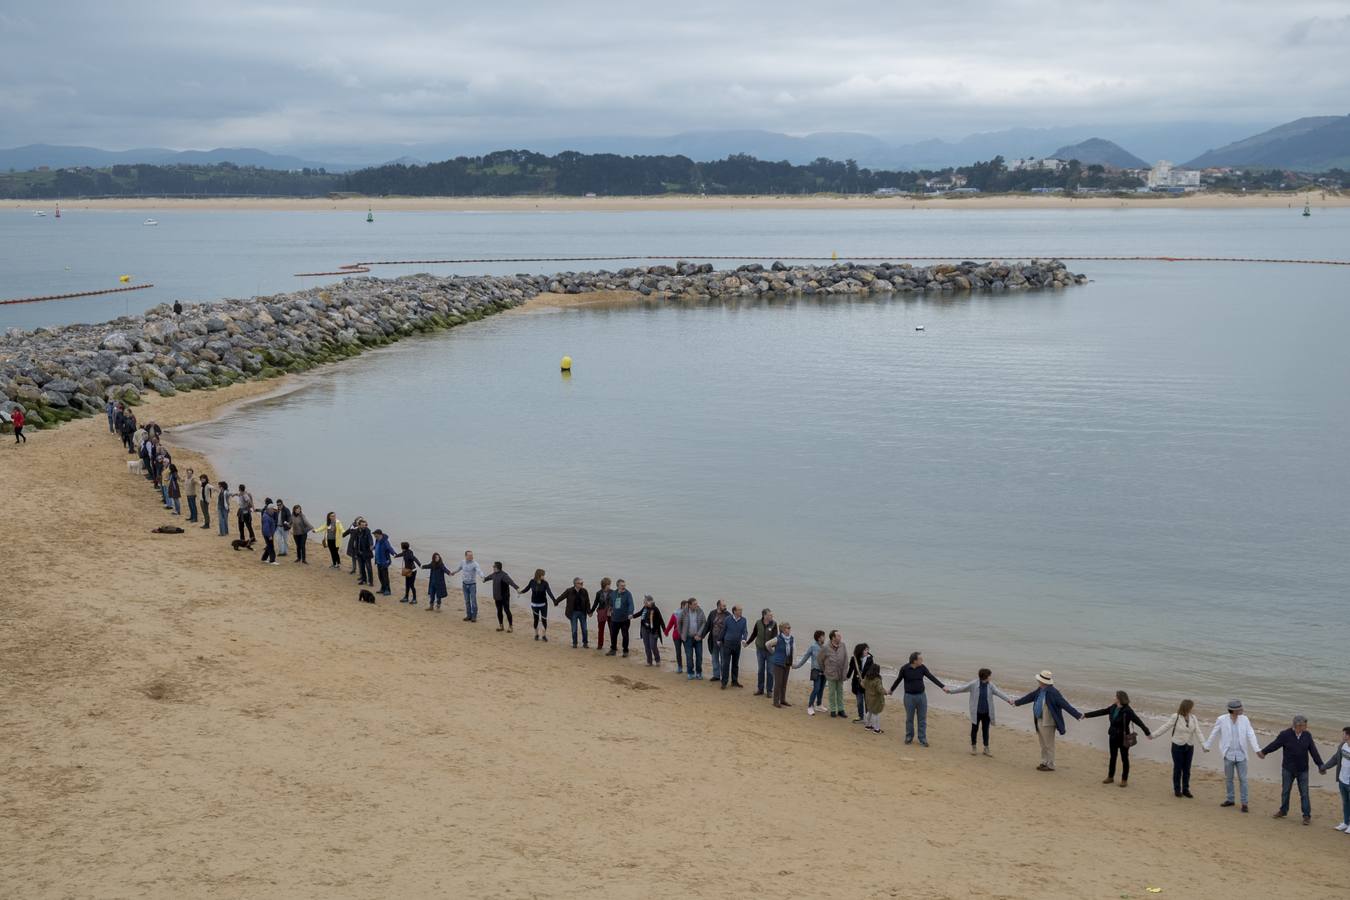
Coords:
pixel 1141 482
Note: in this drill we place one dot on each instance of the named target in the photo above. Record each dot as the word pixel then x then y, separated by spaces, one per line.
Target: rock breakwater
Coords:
pixel 62 373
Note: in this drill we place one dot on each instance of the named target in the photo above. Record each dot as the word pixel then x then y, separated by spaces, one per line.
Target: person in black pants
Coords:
pixel 1117 729
pixel 735 631
pixel 245 513
pixel 501 593
pixel 410 566
pixel 362 546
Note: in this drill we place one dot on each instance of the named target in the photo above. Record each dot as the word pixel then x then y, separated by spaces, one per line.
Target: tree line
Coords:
pixel 521 172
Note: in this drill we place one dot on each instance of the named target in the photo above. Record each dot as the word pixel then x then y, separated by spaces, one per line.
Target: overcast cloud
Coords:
pixel 198 74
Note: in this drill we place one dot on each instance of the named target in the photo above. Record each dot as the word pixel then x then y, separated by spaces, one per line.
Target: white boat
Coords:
pixel 150 222
pixel 39 212
pixel 918 328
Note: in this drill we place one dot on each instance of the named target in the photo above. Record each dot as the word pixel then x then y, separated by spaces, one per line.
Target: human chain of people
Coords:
pixel 725 633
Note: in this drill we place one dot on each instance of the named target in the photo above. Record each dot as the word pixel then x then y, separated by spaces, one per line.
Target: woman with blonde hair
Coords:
pixel 1184 730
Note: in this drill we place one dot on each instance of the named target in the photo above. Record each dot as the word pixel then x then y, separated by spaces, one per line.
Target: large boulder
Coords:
pixel 117 342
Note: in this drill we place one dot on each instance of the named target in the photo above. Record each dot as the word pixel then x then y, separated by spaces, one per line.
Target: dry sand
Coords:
pixel 1318 198
pixel 181 721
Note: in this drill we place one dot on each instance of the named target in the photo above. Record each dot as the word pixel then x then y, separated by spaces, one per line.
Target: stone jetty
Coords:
pixel 58 374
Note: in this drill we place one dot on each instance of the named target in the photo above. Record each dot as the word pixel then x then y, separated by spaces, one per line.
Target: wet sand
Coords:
pixel 181 721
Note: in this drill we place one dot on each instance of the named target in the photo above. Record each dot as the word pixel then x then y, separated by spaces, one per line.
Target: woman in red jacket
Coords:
pixel 672 631
pixel 16 418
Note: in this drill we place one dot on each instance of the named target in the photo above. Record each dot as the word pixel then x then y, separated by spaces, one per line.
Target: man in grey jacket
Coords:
pixel 691 621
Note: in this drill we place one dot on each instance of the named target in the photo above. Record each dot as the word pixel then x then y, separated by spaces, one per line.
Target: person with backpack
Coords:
pixel 1120 736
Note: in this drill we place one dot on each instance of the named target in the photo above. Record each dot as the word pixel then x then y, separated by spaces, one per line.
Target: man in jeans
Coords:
pixel 690 622
pixel 1297 745
pixel 1235 735
pixel 733 636
pixel 764 631
pixel 469 572
pixel 916 701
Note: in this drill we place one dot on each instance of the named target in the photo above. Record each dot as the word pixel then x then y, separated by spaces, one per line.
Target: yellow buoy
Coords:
pixel 124 278
pixel 834 255
pixel 567 363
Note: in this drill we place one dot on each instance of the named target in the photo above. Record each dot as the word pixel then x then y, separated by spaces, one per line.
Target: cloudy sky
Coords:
pixel 199 74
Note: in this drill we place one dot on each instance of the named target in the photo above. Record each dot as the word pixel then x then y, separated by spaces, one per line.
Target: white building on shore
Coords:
pixel 1049 164
pixel 1165 175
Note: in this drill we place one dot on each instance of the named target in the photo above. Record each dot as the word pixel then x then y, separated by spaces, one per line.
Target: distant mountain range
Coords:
pixel 1310 144
pixel 57 156
pixel 1099 151
pixel 1313 144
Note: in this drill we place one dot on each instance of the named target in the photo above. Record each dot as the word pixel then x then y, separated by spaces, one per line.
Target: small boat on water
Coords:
pixel 150 222
pixel 1307 208
pixel 39 212
pixel 918 328
pixel 370 214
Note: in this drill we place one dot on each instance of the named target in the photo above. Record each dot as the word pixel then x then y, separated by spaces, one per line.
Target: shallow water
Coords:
pixel 1137 483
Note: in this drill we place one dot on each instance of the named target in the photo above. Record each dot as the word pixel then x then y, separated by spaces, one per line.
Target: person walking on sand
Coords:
pixel 713 631
pixel 1235 735
pixel 469 572
pixel 17 419
pixel 205 490
pixel 912 675
pixel 245 512
pixel 1048 707
pixel 540 594
pixel 577 608
pixel 1184 730
pixel 764 630
pixel 874 694
pixel 604 598
pixel 982 692
pixel 223 508
pixel 437 573
pixel 672 630
pixel 834 666
pixel 189 491
pixel 692 621
pixel 857 667
pixel 812 655
pixel 650 629
pixel 410 566
pixel 332 538
pixel 620 617
pixel 735 633
pixel 269 531
pixel 782 649
pixel 1120 736
pixel 300 529
pixel 1340 761
pixel 384 557
pixel 501 594
pixel 1297 745
pixel 283 528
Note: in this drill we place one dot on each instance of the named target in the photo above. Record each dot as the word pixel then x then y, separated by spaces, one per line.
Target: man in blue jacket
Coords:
pixel 384 555
pixel 737 631
pixel 620 617
pixel 1048 708
pixel 1297 745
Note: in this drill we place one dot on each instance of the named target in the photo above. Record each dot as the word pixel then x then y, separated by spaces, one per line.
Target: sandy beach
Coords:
pixel 182 721
pixel 1319 199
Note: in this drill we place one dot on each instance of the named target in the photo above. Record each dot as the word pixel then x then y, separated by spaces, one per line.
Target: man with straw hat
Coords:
pixel 1048 708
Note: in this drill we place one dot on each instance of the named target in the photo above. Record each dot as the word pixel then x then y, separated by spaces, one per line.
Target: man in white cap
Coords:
pixel 1235 734
pixel 1048 708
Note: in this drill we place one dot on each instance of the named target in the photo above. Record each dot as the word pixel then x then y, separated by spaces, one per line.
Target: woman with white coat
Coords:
pixel 982 692
pixel 1184 729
